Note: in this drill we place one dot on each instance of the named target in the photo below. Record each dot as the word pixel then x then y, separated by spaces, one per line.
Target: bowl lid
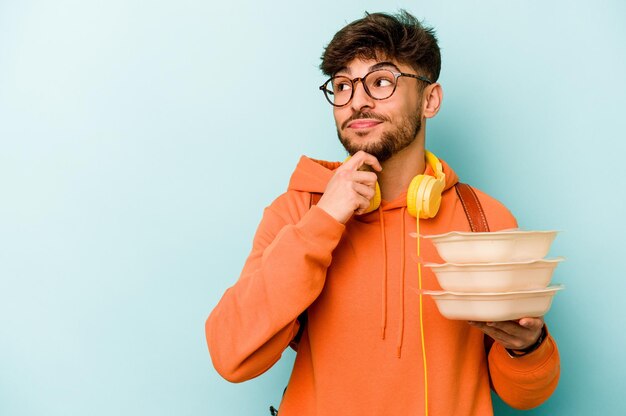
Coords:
pixel 497 235
pixel 492 295
pixel 495 264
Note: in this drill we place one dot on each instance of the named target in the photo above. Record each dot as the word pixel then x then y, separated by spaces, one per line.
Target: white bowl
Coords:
pixel 492 247
pixel 494 307
pixel 495 277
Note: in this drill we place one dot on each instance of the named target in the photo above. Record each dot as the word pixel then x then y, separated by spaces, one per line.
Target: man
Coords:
pixel 341 281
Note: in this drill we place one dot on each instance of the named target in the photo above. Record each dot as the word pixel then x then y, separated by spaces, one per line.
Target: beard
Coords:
pixel 390 142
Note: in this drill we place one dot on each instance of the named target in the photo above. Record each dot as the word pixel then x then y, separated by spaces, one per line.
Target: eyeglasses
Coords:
pixel 379 84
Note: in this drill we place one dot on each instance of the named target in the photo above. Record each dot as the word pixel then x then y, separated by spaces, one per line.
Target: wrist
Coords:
pixel 520 353
pixel 340 217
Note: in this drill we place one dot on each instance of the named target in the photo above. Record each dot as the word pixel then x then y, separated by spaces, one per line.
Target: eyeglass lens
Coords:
pixel 378 85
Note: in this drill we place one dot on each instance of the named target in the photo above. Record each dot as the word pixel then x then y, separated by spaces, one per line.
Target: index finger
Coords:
pixel 361 158
pixel 518 326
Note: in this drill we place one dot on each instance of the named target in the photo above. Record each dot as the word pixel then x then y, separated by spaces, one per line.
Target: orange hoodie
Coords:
pixel 360 352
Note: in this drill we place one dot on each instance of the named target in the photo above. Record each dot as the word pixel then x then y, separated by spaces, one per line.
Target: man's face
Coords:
pixel 379 127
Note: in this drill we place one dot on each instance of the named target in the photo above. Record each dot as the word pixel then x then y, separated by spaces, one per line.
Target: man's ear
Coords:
pixel 433 95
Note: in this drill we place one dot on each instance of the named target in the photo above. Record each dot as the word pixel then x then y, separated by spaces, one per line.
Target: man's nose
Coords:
pixel 361 98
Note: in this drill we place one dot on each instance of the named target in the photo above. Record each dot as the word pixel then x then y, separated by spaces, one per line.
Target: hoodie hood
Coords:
pixel 312 175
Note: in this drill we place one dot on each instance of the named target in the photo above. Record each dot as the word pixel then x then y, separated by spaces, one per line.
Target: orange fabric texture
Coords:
pixel 360 352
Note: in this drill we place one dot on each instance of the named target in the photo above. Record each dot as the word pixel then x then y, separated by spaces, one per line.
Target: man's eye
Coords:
pixel 383 82
pixel 342 86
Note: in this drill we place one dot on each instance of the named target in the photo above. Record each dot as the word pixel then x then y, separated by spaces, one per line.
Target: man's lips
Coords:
pixel 363 123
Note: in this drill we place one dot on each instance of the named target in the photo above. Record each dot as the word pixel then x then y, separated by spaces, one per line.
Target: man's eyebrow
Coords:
pixel 380 65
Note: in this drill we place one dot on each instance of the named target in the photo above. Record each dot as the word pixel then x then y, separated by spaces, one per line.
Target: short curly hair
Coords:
pixel 384 36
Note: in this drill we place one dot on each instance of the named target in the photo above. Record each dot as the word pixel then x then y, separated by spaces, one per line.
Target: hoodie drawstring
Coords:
pixel 402 283
pixel 402 260
pixel 384 282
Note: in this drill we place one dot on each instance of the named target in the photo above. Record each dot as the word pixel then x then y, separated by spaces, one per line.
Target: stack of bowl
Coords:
pixel 494 276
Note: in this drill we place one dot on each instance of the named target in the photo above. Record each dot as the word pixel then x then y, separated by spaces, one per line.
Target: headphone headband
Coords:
pixel 434 163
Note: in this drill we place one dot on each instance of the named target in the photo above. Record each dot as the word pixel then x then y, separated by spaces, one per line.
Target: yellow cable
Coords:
pixel 419 274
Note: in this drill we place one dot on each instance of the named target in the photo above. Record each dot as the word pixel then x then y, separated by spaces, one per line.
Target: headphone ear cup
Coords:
pixel 412 193
pixel 433 201
pixel 375 201
pixel 424 196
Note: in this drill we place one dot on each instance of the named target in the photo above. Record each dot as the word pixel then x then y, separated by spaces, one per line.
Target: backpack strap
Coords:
pixel 478 223
pixel 473 210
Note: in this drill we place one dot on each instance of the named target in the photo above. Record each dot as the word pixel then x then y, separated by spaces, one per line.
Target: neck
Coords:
pixel 401 168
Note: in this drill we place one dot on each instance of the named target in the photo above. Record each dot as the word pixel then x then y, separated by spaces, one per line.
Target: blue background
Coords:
pixel 140 141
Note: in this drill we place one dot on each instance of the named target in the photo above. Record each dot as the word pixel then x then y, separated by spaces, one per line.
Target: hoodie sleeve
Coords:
pixel 256 318
pixel 525 382
pixel 521 382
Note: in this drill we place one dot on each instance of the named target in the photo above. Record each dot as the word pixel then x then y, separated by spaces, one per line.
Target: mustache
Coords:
pixel 360 115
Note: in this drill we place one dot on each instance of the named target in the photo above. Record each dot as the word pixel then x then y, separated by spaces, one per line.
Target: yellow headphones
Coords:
pixel 424 195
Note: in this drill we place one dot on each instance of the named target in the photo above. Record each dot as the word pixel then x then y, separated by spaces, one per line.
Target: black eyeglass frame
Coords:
pixel 396 75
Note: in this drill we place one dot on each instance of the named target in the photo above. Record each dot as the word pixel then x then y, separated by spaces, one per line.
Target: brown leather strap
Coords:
pixel 473 210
